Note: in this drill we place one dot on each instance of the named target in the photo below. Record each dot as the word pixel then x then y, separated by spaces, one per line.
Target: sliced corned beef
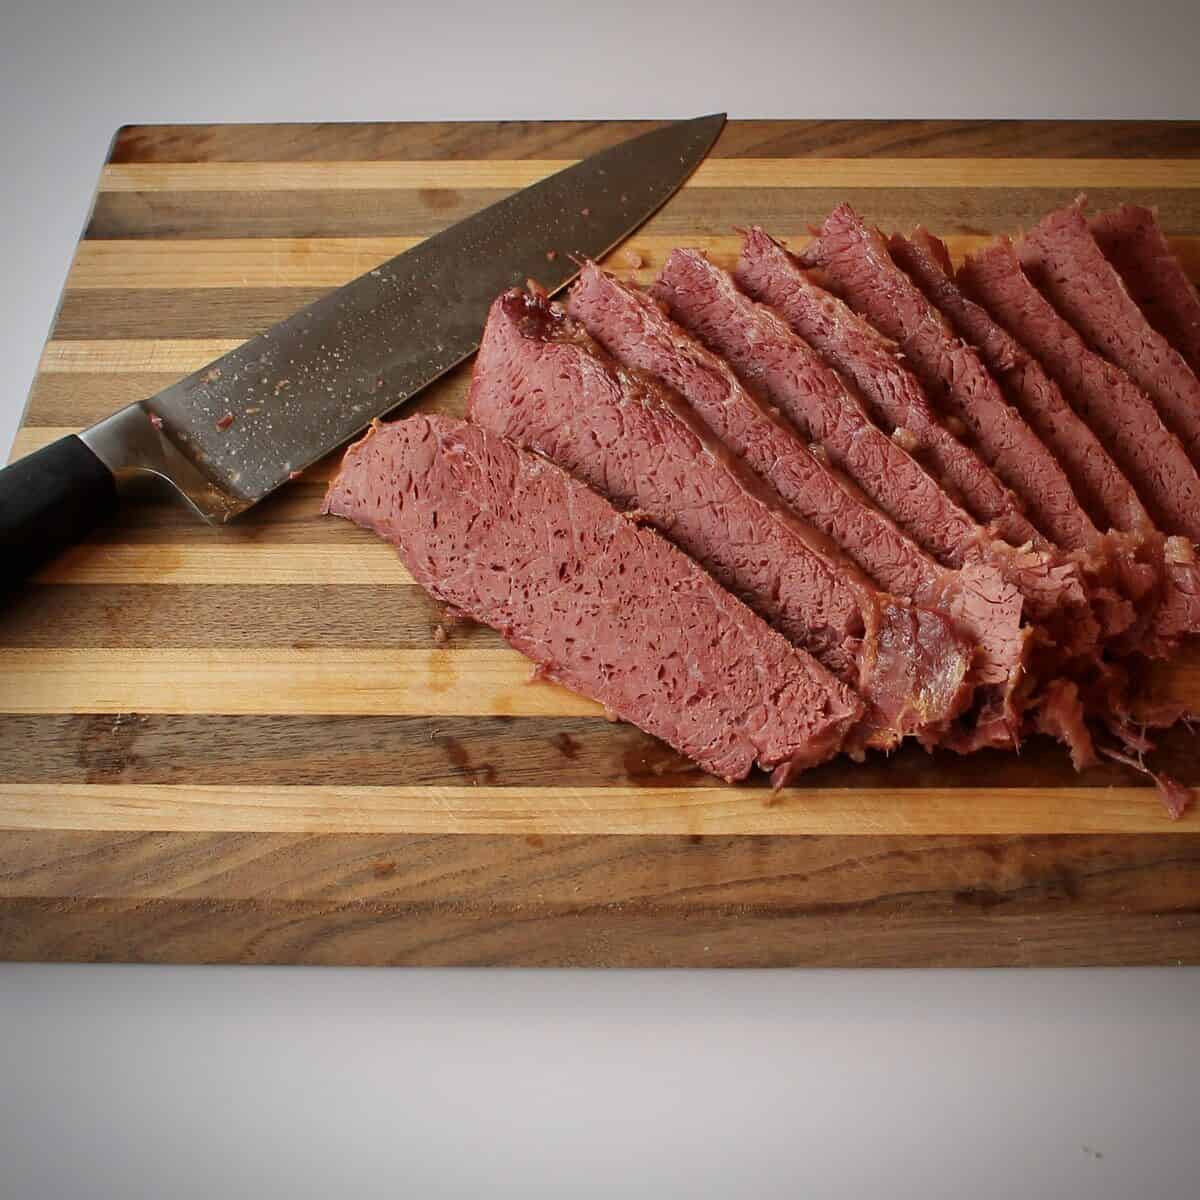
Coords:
pixel 773 360
pixel 769 357
pixel 1064 261
pixel 771 274
pixel 635 330
pixel 1135 244
pixel 1121 415
pixel 542 381
pixel 631 326
pixel 603 606
pixel 856 262
pixel 1098 482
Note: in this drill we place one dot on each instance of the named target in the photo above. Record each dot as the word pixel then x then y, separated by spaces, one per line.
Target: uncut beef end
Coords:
pixel 543 382
pixel 769 357
pixel 603 606
pixel 856 262
pixel 769 273
pixel 1066 264
pixel 1135 244
pixel 1122 417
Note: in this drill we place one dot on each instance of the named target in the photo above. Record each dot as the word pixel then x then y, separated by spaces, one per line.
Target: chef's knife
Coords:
pixel 232 432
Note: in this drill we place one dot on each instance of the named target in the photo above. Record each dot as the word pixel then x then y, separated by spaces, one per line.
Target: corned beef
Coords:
pixel 603 606
pixel 856 262
pixel 1098 482
pixel 1096 479
pixel 770 358
pixel 1133 242
pixel 1123 418
pixel 628 323
pixel 1120 414
pixel 771 274
pixel 543 382
pixel 1065 263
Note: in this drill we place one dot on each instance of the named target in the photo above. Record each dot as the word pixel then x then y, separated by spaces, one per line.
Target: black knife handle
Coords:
pixel 49 500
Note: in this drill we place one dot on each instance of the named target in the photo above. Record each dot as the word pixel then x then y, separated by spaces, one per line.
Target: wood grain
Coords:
pixel 440 682
pixel 560 809
pixel 714 173
pixel 545 139
pixel 329 262
pixel 236 560
pixel 246 745
pixel 610 900
pixel 376 212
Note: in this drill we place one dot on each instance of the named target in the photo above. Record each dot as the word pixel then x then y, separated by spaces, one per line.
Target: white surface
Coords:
pixel 128 1082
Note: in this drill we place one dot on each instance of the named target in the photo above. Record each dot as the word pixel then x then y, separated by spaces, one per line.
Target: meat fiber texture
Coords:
pixel 602 605
pixel 767 272
pixel 1109 559
pixel 855 260
pixel 1124 420
pixel 772 361
pixel 824 408
pixel 1134 243
pixel 770 358
pixel 1065 262
pixel 1052 586
pixel 543 382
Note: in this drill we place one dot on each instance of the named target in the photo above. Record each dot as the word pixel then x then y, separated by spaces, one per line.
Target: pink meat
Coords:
pixel 856 262
pixel 542 382
pixel 1121 415
pixel 1065 263
pixel 605 607
pixel 770 358
pixel 1098 482
pixel 1096 479
pixel 1133 242
pixel 1123 418
pixel 770 274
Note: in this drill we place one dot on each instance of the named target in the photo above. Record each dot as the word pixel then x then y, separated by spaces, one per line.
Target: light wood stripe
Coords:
pixel 583 810
pixel 373 562
pixel 178 356
pixel 749 173
pixel 377 682
pixel 331 262
pixel 33 437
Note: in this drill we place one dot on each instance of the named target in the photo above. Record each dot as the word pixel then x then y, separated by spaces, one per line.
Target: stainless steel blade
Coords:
pixel 235 430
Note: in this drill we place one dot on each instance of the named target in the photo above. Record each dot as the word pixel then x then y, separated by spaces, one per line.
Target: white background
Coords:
pixel 129 1082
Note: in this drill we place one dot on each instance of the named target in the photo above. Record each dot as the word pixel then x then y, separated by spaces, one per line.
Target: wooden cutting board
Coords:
pixel 245 745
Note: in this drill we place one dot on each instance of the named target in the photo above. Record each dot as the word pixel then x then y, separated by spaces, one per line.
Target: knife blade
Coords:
pixel 232 432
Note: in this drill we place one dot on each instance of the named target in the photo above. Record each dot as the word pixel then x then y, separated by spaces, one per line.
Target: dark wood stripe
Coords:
pixel 698 212
pixel 574 139
pixel 764 873
pixel 601 901
pixel 175 616
pixel 499 751
pixel 364 751
pixel 292 516
pixel 941 927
